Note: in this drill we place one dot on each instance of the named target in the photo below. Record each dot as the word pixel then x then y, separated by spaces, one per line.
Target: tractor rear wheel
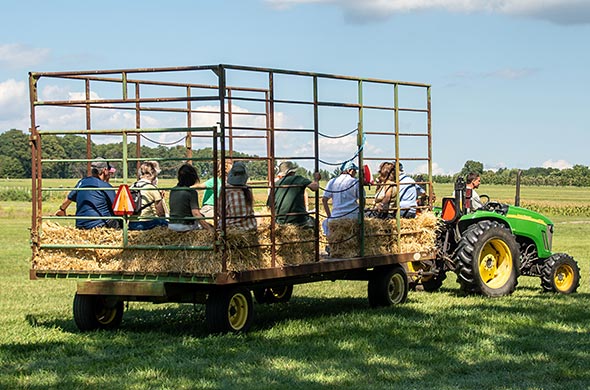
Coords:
pixel 560 273
pixel 487 259
pixel 388 286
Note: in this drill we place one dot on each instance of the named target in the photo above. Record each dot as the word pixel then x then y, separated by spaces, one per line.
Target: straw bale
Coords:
pixel 245 250
pixel 381 236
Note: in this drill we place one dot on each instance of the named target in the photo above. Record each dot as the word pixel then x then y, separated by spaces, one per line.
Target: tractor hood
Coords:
pixel 522 222
pixel 527 215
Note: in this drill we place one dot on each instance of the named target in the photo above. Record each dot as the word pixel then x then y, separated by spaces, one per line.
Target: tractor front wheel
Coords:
pixel 487 259
pixel 560 273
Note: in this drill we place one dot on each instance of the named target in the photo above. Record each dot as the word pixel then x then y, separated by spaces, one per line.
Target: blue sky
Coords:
pixel 510 78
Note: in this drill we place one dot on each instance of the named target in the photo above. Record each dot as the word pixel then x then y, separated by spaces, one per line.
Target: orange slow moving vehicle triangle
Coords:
pixel 124 204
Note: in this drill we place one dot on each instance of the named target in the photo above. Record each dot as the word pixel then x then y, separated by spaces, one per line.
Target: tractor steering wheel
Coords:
pixel 487 199
pixel 492 206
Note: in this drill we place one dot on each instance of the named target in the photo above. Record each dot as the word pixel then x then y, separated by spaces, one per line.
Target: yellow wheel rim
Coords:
pixel 564 277
pixel 495 263
pixel 278 292
pixel 395 288
pixel 237 311
pixel 105 315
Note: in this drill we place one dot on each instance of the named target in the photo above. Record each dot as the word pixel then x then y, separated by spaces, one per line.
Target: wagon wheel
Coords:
pixel 388 286
pixel 560 273
pixel 278 294
pixel 229 310
pixel 93 312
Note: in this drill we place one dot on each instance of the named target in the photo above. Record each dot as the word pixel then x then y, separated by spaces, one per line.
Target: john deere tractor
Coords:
pixel 489 248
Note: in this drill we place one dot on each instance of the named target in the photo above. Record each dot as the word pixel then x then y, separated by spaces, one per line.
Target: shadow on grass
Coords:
pixel 505 343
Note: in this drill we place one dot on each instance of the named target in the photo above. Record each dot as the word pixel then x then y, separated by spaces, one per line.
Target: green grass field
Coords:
pixel 325 337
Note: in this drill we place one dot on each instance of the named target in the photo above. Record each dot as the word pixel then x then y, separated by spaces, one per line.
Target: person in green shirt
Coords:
pixel 289 196
pixel 209 196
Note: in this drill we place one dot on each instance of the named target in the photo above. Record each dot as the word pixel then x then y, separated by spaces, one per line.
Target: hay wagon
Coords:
pixel 208 115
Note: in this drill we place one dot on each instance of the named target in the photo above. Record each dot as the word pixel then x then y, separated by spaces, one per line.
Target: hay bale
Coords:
pixel 295 244
pixel 381 236
pixel 245 250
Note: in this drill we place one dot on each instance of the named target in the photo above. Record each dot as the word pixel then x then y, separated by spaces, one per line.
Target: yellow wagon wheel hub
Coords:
pixel 278 292
pixel 495 263
pixel 105 315
pixel 237 311
pixel 395 288
pixel 564 277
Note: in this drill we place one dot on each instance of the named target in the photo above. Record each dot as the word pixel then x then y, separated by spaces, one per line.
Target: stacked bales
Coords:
pixel 194 252
pixel 187 252
pixel 381 236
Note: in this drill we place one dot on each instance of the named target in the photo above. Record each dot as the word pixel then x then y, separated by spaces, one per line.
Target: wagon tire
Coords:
pixel 229 310
pixel 278 294
pixel 560 274
pixel 487 260
pixel 92 312
pixel 388 287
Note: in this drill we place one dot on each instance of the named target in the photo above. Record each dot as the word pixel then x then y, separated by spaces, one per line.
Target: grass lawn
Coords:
pixel 325 337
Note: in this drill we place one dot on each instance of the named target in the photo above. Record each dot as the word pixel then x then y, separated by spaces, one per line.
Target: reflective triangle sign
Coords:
pixel 124 204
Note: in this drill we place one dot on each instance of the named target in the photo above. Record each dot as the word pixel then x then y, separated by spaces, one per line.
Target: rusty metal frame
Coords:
pixel 224 136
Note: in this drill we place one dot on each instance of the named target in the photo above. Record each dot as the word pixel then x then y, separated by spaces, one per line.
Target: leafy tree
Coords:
pixel 471 166
pixel 10 167
pixel 14 143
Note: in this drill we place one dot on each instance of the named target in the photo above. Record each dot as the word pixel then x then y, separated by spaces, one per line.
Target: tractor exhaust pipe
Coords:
pixel 517 196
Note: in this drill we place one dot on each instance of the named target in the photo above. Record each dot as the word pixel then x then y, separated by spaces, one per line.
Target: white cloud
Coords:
pixel 436 169
pixel 21 56
pixel 13 99
pixel 559 164
pixel 556 11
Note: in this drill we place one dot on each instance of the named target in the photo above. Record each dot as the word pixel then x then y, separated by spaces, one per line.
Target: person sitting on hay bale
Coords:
pixel 93 203
pixel 386 192
pixel 208 206
pixel 154 209
pixel 289 196
pixel 239 200
pixel 408 195
pixel 184 202
pixel 343 190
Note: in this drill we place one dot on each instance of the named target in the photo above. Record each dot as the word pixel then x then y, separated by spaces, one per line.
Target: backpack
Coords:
pixel 138 199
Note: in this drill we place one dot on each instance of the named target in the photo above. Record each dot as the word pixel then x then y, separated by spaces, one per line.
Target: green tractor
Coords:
pixel 489 248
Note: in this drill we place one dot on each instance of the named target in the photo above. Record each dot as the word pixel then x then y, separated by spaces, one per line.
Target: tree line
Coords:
pixel 577 176
pixel 15 157
pixel 15 162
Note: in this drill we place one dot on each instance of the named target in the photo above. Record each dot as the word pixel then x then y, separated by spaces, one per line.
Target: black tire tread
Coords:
pixel 547 272
pixel 465 261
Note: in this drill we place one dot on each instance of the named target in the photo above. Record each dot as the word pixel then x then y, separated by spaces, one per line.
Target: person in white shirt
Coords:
pixel 408 194
pixel 344 193
pixel 473 181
